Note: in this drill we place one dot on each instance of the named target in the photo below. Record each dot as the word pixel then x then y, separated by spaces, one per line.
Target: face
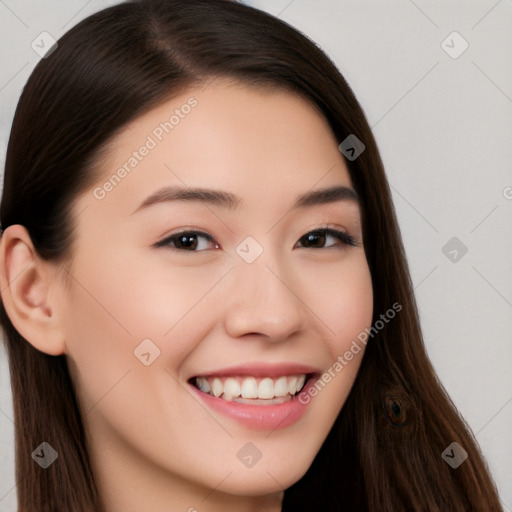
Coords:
pixel 192 321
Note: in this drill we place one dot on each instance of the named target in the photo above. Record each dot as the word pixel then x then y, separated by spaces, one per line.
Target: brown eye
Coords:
pixel 185 241
pixel 316 239
pixel 188 241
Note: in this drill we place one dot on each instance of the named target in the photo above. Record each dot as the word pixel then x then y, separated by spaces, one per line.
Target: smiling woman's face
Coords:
pixel 255 297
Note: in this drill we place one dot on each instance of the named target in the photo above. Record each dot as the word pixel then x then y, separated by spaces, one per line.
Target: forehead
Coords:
pixel 260 144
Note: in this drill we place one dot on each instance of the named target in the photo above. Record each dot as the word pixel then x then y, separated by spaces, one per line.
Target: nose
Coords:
pixel 264 300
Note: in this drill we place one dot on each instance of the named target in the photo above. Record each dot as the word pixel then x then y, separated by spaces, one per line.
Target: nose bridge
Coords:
pixel 263 299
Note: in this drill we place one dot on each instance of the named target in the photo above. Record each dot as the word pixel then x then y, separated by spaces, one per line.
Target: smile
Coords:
pixel 248 389
pixel 256 396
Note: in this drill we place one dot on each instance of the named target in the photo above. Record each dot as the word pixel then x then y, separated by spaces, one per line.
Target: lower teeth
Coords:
pixel 258 401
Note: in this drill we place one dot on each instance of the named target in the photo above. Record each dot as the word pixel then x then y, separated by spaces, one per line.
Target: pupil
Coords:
pixel 188 239
pixel 312 236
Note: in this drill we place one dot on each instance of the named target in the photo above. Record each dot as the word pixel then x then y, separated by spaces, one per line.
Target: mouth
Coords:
pixel 253 390
pixel 257 396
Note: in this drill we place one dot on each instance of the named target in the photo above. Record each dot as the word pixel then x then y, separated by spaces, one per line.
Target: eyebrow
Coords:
pixel 231 201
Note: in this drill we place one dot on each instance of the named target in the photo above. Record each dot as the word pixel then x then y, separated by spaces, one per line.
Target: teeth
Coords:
pixel 217 387
pixel 266 388
pixel 231 388
pixel 281 387
pixel 292 385
pixel 300 382
pixel 249 388
pixel 203 385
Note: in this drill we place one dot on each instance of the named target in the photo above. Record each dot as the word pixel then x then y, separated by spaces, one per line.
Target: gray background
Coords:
pixel 444 128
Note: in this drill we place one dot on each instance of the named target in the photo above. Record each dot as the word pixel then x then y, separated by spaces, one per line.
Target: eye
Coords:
pixel 188 241
pixel 317 238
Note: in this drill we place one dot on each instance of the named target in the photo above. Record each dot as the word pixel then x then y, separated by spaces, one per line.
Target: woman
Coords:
pixel 205 296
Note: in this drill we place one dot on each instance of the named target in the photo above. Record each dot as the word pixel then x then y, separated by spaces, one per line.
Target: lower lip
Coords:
pixel 260 417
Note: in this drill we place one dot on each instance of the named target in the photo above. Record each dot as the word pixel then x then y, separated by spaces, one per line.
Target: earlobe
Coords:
pixel 26 281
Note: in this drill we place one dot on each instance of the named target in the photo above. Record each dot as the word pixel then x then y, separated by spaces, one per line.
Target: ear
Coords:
pixel 27 282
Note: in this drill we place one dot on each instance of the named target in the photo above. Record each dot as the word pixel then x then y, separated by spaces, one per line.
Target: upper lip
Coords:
pixel 262 370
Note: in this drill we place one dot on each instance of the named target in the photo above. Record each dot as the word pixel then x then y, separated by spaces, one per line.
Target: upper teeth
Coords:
pixel 250 387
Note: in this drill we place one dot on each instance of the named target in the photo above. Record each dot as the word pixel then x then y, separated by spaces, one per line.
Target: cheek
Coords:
pixel 138 298
pixel 344 303
pixel 98 343
pixel 116 304
pixel 347 306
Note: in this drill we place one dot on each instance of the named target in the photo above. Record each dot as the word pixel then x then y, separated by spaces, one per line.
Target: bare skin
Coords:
pixel 154 444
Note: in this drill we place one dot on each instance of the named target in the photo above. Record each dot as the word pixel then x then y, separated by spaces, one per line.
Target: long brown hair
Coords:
pixel 384 450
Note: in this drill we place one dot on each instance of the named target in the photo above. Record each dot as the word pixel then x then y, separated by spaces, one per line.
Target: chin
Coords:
pixel 263 478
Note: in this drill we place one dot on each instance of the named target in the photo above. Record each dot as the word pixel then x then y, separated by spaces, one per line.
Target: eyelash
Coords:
pixel 344 237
